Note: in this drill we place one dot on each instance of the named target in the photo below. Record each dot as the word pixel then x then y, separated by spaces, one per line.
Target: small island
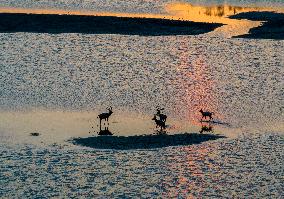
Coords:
pixel 56 24
pixel 144 141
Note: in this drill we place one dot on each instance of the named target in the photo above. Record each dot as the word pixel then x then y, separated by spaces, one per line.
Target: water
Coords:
pixel 135 6
pixel 247 167
pixel 239 80
pixel 56 85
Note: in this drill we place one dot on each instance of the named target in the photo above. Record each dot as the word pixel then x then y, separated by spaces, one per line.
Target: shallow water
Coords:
pixel 56 85
pixel 133 6
pixel 247 167
pixel 241 81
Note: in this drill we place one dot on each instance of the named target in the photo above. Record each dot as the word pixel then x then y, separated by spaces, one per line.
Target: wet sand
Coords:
pixel 56 24
pixel 272 28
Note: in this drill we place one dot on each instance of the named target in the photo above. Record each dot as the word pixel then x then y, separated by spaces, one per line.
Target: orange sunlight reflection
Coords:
pixel 217 13
pixel 196 166
pixel 196 82
pixel 176 11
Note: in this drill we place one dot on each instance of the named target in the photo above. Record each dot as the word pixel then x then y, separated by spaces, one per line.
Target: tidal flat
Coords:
pixel 54 86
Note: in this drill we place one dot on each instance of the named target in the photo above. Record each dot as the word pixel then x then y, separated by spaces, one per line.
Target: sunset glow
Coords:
pixel 174 11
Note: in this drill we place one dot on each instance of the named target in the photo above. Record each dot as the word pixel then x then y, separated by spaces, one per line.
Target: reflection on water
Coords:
pixel 234 168
pixel 105 131
pixel 228 168
pixel 239 81
pixel 71 76
pixel 206 128
pixel 196 82
pixel 217 14
pixel 208 13
pixel 177 11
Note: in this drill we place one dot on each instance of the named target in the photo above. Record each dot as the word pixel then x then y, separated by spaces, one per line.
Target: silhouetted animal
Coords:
pixel 34 134
pixel 206 129
pixel 105 116
pixel 162 117
pixel 159 123
pixel 206 114
pixel 105 132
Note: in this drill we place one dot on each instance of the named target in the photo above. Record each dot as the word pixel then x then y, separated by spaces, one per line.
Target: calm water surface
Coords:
pixel 247 167
pixel 241 81
pixel 57 84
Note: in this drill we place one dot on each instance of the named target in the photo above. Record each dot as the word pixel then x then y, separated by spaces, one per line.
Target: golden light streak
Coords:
pixel 174 11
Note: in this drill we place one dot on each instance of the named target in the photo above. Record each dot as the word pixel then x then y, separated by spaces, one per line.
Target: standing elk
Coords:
pixel 105 116
pixel 206 114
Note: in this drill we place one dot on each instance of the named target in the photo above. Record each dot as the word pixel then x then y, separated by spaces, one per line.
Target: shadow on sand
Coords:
pixel 272 28
pixel 144 141
pixel 55 24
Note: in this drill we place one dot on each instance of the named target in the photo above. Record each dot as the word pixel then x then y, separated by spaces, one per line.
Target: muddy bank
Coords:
pixel 144 141
pixel 55 24
pixel 272 28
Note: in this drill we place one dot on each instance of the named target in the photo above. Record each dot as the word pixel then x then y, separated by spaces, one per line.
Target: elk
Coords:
pixel 206 114
pixel 162 117
pixel 105 116
pixel 159 123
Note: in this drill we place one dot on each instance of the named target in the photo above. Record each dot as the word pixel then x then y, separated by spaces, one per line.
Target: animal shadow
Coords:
pixel 206 128
pixel 105 132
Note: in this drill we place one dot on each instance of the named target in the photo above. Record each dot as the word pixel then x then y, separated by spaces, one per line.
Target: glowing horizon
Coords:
pixel 177 11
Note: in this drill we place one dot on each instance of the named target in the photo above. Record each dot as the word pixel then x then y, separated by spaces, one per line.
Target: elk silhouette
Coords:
pixel 162 117
pixel 206 114
pixel 159 123
pixel 105 116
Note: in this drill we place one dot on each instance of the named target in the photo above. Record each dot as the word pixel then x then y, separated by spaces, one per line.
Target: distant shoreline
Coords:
pixel 56 24
pixel 272 28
